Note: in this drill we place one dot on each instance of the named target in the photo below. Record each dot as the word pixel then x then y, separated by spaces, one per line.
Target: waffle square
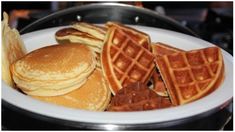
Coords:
pixel 191 75
pixel 137 36
pixel 160 49
pixel 124 60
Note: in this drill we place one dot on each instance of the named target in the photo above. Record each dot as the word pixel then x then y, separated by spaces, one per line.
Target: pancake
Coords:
pixel 75 36
pixel 93 95
pixel 94 30
pixel 12 49
pixel 56 67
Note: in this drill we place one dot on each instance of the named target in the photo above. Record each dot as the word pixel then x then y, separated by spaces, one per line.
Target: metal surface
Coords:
pixel 103 12
pixel 211 120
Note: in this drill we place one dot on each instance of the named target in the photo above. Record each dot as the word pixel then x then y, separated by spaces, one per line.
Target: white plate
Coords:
pixel 214 100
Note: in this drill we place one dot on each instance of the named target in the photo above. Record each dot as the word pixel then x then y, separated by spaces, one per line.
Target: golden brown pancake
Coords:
pixel 94 30
pixel 12 49
pixel 60 68
pixel 93 95
pixel 75 36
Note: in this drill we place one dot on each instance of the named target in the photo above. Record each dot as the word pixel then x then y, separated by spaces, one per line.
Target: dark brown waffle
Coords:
pixel 137 97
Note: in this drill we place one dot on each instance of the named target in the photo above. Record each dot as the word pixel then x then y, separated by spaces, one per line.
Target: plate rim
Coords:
pixel 126 114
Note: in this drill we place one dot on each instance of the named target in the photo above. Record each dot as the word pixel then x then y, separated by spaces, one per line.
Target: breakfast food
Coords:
pixel 160 49
pixel 93 95
pixel 54 70
pixel 12 49
pixel 139 37
pixel 96 61
pixel 94 30
pixel 158 84
pixel 76 36
pixel 137 97
pixel 190 75
pixel 126 58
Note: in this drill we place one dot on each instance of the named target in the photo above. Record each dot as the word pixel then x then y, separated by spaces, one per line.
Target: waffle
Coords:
pixel 191 75
pixel 141 38
pixel 158 84
pixel 124 60
pixel 160 49
pixel 137 97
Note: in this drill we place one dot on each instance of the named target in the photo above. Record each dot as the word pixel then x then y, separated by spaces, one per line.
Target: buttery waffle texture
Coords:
pixel 126 57
pixel 160 49
pixel 12 49
pixel 137 36
pixel 54 70
pixel 190 75
pixel 93 95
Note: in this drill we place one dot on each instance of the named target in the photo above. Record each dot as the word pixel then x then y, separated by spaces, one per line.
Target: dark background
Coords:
pixel 212 21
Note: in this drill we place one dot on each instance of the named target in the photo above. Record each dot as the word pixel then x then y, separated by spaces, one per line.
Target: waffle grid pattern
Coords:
pixel 131 61
pixel 193 71
pixel 137 36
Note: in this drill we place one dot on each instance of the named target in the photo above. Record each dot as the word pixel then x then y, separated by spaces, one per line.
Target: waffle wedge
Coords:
pixel 125 59
pixel 191 75
pixel 139 37
pixel 160 49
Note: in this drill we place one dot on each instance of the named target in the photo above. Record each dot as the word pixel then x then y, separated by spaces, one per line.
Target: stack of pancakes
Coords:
pixel 44 72
pixel 93 95
pixel 62 74
pixel 88 34
pixel 119 59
